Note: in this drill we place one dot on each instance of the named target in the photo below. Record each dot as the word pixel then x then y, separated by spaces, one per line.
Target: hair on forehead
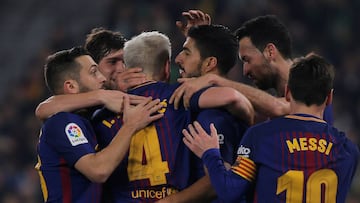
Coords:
pixel 100 42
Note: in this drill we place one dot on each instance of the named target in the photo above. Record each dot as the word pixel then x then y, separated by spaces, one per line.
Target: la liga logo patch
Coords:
pixel 75 134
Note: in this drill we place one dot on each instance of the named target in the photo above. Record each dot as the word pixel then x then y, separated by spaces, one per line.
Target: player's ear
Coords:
pixel 71 87
pixel 209 64
pixel 269 51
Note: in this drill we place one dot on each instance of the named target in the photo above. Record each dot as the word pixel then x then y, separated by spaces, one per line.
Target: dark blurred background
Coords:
pixel 32 29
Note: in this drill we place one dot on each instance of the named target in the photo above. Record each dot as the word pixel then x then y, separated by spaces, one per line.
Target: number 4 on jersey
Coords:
pixel 146 143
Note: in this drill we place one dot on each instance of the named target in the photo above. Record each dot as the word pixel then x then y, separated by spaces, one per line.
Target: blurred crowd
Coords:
pixel 327 27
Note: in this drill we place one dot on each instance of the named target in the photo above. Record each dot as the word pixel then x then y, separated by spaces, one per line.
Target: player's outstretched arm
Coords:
pixel 264 103
pixel 235 102
pixel 111 99
pixel 99 166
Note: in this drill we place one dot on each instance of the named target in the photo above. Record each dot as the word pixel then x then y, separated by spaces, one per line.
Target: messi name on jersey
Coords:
pixel 310 142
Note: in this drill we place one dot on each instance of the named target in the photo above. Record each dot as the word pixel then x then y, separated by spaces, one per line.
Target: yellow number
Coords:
pixel 328 179
pixel 293 182
pixel 146 142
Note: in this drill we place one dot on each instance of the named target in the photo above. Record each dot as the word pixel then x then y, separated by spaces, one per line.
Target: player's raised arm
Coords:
pixel 193 18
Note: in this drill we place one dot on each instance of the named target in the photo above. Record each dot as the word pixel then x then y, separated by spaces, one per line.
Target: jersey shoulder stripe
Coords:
pixel 245 168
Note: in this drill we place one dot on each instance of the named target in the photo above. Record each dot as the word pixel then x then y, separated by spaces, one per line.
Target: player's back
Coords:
pixel 158 162
pixel 300 158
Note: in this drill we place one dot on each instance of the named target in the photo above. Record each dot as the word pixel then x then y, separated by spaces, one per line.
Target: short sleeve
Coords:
pixel 70 136
pixel 194 100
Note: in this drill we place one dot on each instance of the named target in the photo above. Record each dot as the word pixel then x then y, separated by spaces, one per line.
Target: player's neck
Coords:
pixel 314 110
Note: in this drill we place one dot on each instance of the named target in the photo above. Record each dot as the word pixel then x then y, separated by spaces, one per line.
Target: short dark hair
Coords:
pixel 100 42
pixel 61 66
pixel 311 79
pixel 267 29
pixel 216 41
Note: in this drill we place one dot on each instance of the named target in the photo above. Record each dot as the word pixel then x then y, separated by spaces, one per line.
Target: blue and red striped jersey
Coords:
pixel 158 162
pixel 296 158
pixel 64 139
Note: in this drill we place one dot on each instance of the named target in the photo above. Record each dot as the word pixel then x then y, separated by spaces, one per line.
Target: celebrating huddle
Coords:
pixel 117 131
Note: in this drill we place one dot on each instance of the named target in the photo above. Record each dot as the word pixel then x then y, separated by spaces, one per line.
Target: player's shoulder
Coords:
pixel 164 90
pixel 62 122
pixel 166 86
pixel 155 88
pixel 265 127
pixel 266 123
pixel 342 138
pixel 342 141
pixel 62 118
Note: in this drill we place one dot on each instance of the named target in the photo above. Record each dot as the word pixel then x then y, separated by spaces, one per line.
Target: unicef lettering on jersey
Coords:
pixel 153 193
pixel 75 134
pixel 243 151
